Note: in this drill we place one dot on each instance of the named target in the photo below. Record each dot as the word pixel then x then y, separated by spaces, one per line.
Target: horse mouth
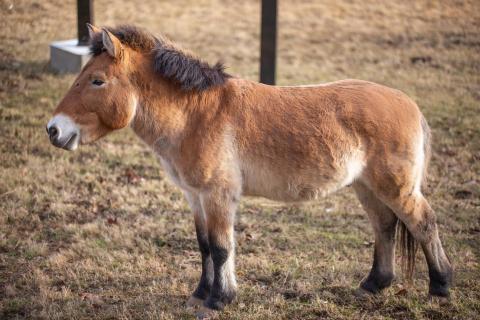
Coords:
pixel 72 142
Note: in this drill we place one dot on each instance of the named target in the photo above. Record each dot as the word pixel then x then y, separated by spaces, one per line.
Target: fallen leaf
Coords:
pixel 112 220
pixel 401 292
pixel 132 176
pixel 463 194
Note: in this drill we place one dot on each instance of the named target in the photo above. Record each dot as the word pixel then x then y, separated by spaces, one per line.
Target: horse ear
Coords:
pixel 92 31
pixel 112 44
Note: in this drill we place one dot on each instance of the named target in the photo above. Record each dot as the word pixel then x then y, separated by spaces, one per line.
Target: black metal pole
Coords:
pixel 268 45
pixel 84 15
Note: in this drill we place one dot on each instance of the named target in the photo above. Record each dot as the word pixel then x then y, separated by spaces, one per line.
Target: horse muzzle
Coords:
pixel 63 132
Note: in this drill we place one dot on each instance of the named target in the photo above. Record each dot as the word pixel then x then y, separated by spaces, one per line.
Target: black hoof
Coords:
pixel 214 304
pixel 376 282
pixel 194 302
pixel 437 290
pixel 219 303
pixel 201 292
pixel 440 283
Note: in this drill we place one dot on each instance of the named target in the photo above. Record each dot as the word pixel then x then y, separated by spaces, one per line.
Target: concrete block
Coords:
pixel 67 57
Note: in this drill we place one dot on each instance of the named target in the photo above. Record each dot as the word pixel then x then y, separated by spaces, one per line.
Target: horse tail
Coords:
pixel 408 250
pixel 427 149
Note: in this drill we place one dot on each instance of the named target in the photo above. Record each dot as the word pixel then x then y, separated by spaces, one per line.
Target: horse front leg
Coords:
pixel 206 279
pixel 219 207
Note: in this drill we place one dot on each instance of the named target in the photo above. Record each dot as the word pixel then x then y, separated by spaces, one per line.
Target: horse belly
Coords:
pixel 286 184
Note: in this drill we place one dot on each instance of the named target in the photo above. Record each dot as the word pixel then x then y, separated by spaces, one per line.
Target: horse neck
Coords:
pixel 165 114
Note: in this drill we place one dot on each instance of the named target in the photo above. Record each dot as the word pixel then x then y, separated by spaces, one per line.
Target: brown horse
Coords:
pixel 220 137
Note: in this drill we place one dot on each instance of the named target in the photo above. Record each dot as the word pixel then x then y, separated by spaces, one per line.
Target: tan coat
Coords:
pixel 220 137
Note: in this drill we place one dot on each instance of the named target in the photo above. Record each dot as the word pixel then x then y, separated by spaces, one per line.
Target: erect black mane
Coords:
pixel 170 61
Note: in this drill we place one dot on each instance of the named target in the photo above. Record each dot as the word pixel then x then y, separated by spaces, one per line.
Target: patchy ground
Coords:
pixel 100 233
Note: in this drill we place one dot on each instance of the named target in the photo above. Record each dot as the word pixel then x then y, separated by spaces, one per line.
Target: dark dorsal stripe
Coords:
pixel 169 61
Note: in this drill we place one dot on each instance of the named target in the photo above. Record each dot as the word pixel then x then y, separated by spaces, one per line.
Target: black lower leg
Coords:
pixel 384 222
pixel 440 282
pixel 439 269
pixel 383 269
pixel 377 279
pixel 206 279
pixel 221 293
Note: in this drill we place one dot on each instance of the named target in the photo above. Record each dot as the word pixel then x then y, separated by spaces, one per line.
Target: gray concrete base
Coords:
pixel 67 57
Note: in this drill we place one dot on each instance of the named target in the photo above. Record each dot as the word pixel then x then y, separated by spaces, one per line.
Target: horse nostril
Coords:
pixel 52 132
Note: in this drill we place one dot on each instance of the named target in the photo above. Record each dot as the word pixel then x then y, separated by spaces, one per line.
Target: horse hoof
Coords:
pixel 194 302
pixel 362 293
pixel 206 313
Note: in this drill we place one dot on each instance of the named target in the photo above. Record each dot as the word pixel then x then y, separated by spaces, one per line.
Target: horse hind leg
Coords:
pixel 420 220
pixel 396 181
pixel 384 222
pixel 403 196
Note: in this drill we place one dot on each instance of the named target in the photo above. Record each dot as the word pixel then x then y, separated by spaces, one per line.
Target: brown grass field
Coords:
pixel 101 234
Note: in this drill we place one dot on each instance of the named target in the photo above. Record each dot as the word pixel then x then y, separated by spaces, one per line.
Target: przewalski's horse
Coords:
pixel 219 137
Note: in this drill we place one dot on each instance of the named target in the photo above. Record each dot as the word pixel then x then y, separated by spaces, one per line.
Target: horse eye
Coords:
pixel 97 82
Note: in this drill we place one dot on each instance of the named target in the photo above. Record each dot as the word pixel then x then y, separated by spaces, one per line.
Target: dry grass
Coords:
pixel 100 233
